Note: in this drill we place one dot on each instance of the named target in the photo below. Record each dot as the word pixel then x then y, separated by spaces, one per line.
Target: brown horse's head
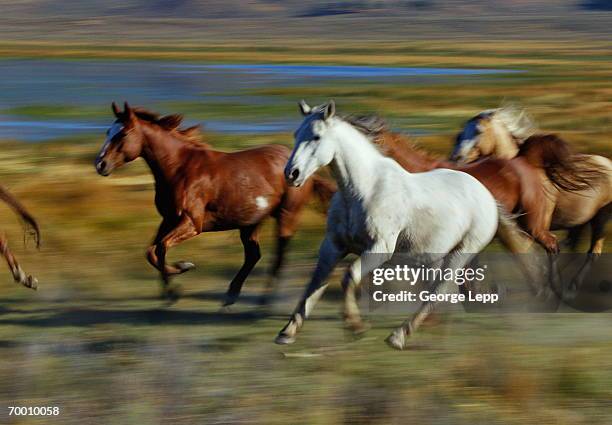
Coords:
pixel 124 141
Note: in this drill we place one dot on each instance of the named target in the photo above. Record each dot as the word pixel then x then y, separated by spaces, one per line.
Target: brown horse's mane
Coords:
pixel 395 145
pixel 171 124
pixel 566 169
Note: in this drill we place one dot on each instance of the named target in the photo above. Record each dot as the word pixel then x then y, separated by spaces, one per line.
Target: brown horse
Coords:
pixel 31 226
pixel 199 189
pixel 579 187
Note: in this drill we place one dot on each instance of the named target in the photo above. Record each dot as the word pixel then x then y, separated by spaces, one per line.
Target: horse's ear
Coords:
pixel 330 110
pixel 170 122
pixel 128 112
pixel 304 108
pixel 116 110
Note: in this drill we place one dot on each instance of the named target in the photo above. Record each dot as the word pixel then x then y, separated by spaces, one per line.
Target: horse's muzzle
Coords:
pixel 292 176
pixel 102 167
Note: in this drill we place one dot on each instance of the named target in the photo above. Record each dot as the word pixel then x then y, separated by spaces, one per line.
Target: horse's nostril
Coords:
pixel 101 165
pixel 295 174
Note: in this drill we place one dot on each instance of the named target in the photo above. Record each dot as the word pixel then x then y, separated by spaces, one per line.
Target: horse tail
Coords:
pixel 324 189
pixel 567 170
pixel 12 202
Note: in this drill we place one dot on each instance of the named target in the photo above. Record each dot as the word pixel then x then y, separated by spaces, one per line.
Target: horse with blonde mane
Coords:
pixel 199 189
pixel 381 209
pixel 578 186
pixel 31 228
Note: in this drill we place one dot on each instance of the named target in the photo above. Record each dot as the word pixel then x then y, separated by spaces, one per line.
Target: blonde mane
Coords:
pixel 516 120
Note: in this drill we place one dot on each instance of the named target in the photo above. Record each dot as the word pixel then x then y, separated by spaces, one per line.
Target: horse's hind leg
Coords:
pixel 250 241
pixel 519 245
pixel 18 274
pixel 398 338
pixel 598 227
pixel 281 248
pixel 287 218
pixel 366 263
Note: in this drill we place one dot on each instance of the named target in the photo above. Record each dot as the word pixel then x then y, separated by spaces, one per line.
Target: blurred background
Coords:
pixel 97 341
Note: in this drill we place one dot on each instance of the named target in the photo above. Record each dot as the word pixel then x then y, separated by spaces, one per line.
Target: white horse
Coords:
pixel 381 209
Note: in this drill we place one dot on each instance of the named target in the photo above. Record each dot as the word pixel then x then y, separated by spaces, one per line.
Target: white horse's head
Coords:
pixel 314 146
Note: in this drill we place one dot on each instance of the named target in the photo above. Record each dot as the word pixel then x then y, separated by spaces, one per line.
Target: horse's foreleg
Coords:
pixel 329 255
pixel 252 254
pixel 183 231
pixel 18 274
pixel 178 267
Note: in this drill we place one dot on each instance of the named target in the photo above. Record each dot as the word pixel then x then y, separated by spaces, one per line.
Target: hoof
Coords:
pixel 398 339
pixel 32 282
pixel 229 300
pixel 184 266
pixel 284 339
pixel 225 309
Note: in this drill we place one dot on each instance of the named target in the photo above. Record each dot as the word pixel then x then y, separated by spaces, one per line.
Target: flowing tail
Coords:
pixel 23 213
pixel 567 170
pixel 324 189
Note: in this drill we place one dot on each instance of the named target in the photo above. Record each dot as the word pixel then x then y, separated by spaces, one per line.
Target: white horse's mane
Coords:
pixel 516 120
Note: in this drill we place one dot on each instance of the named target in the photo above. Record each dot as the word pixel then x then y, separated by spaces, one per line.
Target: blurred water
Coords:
pixel 90 83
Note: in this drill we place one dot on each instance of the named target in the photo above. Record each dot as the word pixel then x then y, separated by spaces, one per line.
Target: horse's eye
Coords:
pixel 316 138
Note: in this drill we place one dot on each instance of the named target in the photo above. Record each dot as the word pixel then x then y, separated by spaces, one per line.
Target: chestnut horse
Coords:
pixel 31 227
pixel 199 189
pixel 579 187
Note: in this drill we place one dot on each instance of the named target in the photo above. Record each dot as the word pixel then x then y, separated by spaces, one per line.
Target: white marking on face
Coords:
pixel 110 134
pixel 261 202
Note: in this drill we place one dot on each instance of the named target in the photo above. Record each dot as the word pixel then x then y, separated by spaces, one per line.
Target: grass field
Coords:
pixel 96 341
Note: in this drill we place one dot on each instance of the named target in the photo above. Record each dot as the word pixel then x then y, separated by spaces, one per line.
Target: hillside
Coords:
pixel 216 20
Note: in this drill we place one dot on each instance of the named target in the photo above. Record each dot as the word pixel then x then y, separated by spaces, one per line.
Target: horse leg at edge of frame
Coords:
pixel 183 231
pixel 249 237
pixel 18 274
pixel 598 226
pixel 398 338
pixel 329 256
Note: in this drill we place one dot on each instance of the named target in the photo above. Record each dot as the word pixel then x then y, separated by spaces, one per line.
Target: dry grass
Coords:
pixel 97 342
